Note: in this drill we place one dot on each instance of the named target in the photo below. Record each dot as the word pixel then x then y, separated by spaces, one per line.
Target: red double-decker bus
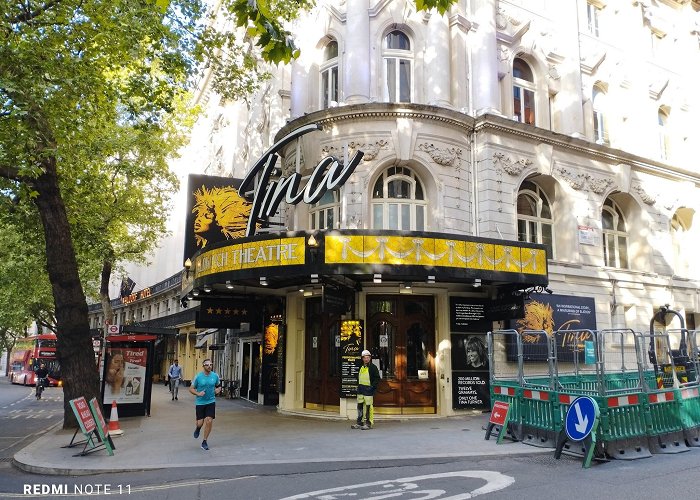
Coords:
pixel 28 353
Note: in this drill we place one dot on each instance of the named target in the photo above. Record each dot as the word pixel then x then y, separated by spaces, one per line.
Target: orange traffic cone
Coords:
pixel 113 426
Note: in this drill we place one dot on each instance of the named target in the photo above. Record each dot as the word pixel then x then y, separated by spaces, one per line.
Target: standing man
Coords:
pixel 205 385
pixel 175 374
pixel 367 382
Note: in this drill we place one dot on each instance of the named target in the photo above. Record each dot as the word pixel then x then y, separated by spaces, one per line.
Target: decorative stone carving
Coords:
pixel 370 149
pixel 508 165
pixel 510 28
pixel 442 156
pixel 646 197
pixel 583 181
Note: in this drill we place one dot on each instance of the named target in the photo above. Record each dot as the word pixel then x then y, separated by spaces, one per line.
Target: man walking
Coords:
pixel 175 374
pixel 367 382
pixel 205 385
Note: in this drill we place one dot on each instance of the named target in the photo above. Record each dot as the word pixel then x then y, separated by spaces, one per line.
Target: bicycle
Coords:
pixel 40 387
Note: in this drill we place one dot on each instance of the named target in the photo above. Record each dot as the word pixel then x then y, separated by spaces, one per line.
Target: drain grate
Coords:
pixel 5 459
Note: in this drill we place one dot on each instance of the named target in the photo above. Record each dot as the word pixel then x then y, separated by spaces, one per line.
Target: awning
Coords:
pixel 203 337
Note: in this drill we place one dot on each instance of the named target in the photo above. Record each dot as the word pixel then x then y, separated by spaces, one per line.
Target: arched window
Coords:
pixel 329 75
pixel 535 217
pixel 398 59
pixel 325 214
pixel 664 137
pixel 680 224
pixel 600 126
pixel 523 92
pixel 615 235
pixel 398 201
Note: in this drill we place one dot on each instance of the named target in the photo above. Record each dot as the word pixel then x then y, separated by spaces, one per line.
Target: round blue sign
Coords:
pixel 580 418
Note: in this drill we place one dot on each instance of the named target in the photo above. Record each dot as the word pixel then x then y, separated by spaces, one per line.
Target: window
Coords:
pixel 325 213
pixel 535 216
pixel 614 235
pixel 680 222
pixel 593 12
pixel 398 201
pixel 523 92
pixel 397 67
pixel 664 137
pixel 329 75
pixel 600 128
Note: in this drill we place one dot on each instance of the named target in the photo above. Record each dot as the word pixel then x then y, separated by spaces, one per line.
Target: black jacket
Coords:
pixel 374 379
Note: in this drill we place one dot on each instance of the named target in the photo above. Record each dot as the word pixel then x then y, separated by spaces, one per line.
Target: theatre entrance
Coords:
pixel 322 369
pixel 401 336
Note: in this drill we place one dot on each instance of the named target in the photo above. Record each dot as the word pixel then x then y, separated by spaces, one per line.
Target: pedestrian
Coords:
pixel 205 385
pixel 367 382
pixel 175 374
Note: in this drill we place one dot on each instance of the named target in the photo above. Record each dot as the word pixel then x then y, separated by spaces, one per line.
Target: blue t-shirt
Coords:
pixel 206 383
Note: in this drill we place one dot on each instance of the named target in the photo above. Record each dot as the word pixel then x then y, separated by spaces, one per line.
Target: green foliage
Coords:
pixel 442 6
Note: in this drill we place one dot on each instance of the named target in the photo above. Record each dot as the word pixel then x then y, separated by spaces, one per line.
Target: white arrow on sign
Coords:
pixel 582 424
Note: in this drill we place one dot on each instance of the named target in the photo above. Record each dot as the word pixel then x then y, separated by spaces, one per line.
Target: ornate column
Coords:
pixel 356 72
pixel 484 50
pixel 437 61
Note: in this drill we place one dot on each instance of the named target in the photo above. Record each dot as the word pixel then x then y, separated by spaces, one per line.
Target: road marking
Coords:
pixel 494 481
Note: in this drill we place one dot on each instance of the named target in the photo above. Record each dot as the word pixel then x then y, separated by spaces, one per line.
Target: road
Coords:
pixel 22 419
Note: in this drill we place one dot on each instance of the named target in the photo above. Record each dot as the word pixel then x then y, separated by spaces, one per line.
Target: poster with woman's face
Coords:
pixel 125 374
pixel 470 371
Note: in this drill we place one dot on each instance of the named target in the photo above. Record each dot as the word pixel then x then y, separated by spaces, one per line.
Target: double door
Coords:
pixel 322 367
pixel 400 331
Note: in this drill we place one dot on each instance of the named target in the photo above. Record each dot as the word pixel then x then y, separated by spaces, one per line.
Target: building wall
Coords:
pixel 460 138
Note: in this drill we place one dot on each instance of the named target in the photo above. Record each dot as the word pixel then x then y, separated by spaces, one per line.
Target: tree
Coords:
pixel 75 72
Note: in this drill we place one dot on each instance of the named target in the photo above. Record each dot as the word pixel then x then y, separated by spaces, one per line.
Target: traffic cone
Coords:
pixel 113 427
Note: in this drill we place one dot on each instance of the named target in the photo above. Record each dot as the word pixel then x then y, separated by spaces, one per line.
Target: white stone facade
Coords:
pixel 606 113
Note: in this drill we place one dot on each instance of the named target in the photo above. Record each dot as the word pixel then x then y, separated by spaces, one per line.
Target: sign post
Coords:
pixel 500 415
pixel 580 425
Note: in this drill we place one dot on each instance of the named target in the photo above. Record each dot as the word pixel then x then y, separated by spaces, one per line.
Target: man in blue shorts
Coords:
pixel 205 385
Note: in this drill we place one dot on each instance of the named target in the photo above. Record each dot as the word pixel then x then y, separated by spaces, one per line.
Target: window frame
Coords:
pixel 318 211
pixel 593 12
pixel 329 91
pixel 399 57
pixel 617 213
pixel 524 86
pixel 401 174
pixel 540 198
pixel 600 121
pixel 663 116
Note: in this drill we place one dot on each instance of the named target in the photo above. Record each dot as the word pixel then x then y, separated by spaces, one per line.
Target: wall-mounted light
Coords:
pixel 408 285
pixel 190 296
pixel 314 278
pixel 377 278
pixel 263 281
pixel 431 279
pixel 477 283
pixel 188 265
pixel 195 292
pixel 229 285
pixel 206 288
pixel 312 241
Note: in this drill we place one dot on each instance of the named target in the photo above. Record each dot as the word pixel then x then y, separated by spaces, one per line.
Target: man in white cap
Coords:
pixel 367 382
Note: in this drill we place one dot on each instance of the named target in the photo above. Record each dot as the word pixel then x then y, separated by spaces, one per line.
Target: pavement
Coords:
pixel 246 433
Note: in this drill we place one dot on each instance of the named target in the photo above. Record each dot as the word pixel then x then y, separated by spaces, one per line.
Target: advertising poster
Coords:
pixel 552 313
pixel 351 342
pixel 470 371
pixel 125 374
pixel 215 212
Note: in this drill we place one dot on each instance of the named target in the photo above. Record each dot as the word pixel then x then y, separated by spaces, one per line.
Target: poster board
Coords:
pixel 470 371
pixel 101 427
pixel 92 427
pixel 351 342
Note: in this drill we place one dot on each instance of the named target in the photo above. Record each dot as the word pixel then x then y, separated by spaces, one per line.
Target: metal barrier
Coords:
pixel 646 404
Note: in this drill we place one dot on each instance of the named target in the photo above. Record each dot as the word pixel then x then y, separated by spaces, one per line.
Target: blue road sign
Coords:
pixel 580 418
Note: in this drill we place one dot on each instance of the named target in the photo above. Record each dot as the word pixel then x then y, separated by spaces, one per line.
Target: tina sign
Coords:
pixel 267 195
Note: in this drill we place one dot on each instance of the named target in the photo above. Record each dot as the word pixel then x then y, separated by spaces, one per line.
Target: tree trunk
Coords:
pixel 75 351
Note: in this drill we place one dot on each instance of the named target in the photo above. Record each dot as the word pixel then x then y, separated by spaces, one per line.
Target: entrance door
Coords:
pixel 322 369
pixel 401 335
pixel 250 373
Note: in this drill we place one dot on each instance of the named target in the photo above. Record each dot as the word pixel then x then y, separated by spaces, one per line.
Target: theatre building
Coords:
pixel 415 180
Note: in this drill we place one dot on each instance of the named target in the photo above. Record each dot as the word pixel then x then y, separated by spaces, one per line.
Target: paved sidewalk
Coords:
pixel 245 433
